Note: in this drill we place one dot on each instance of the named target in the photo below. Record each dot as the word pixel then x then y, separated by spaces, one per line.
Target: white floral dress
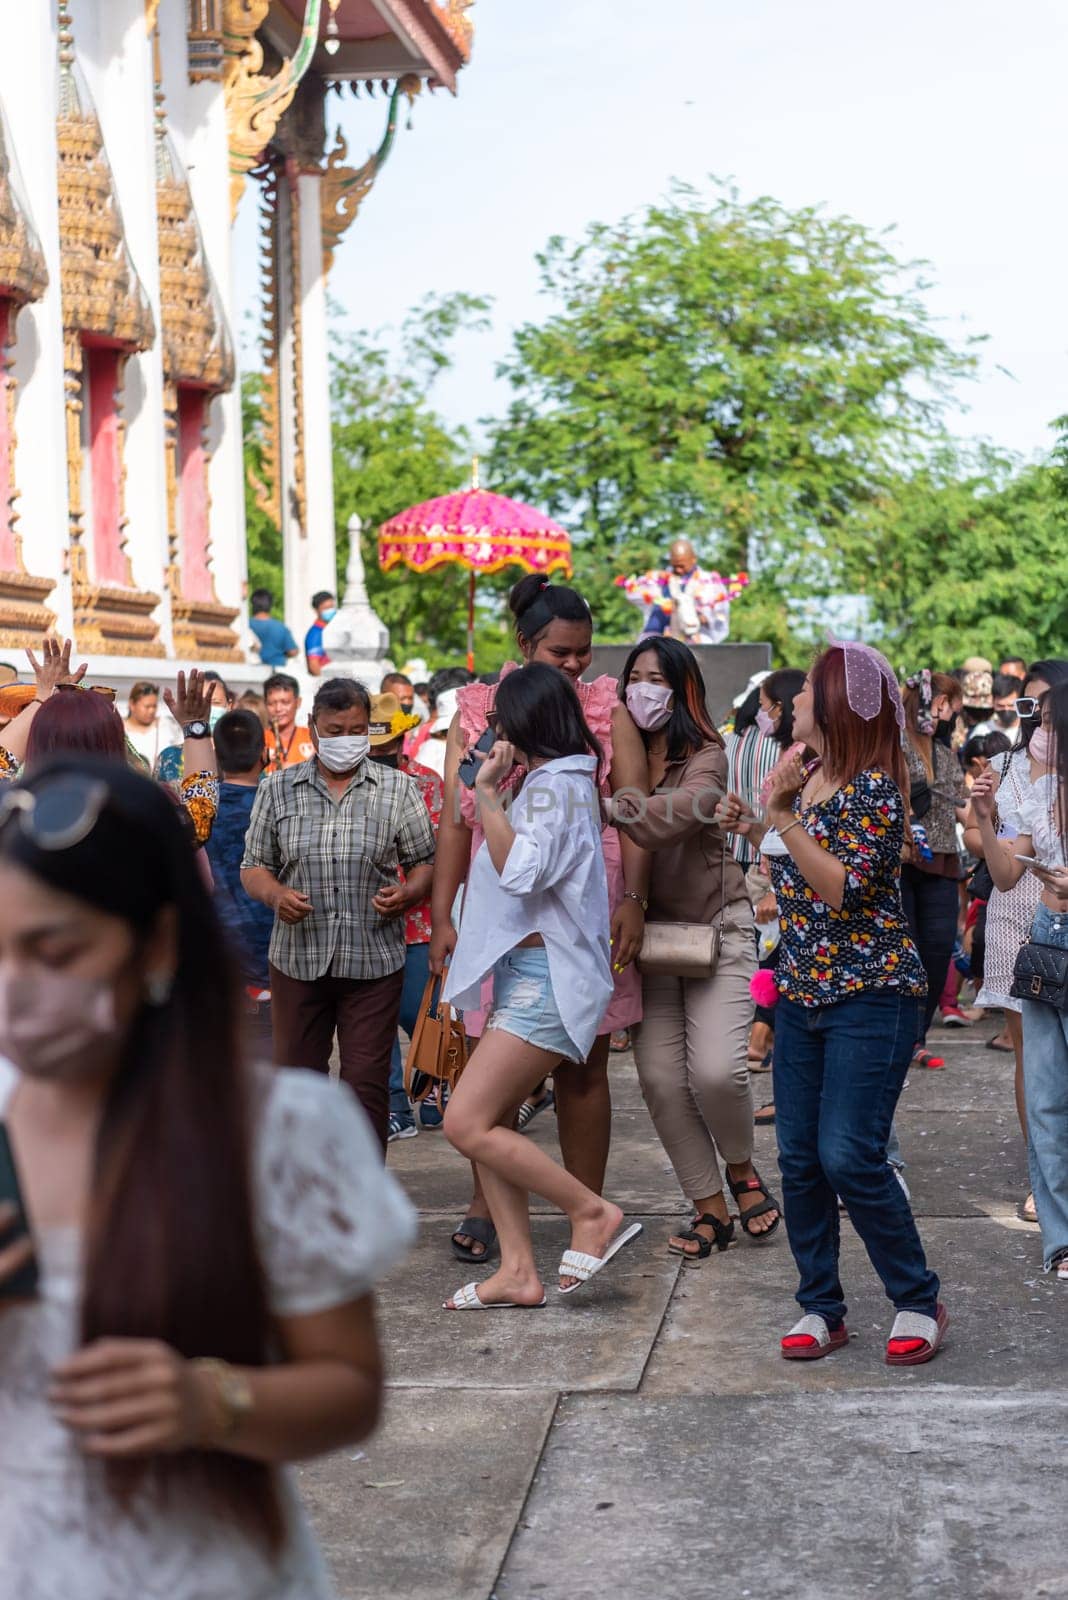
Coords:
pixel 330 1221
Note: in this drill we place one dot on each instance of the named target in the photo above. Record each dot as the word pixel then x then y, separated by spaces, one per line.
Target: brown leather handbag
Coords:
pixel 685 949
pixel 438 1052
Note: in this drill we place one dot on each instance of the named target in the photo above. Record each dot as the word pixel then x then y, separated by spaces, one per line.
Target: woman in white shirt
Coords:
pixel 1043 836
pixel 536 917
pixel 200 1239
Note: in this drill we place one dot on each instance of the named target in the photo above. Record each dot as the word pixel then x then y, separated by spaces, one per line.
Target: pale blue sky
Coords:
pixel 947 118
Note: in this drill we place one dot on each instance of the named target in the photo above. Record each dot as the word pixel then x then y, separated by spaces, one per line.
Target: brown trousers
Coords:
pixel 363 1012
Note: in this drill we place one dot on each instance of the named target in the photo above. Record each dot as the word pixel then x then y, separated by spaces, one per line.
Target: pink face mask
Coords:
pixel 1042 748
pixel 765 724
pixel 55 1026
pixel 650 704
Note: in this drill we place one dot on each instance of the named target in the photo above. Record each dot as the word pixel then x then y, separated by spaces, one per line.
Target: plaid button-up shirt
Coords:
pixel 339 853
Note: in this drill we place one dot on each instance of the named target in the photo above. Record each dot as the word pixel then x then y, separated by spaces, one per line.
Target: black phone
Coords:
pixel 469 766
pixel 24 1284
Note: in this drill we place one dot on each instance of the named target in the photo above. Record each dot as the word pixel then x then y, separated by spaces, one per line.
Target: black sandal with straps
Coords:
pixel 755 1185
pixel 724 1235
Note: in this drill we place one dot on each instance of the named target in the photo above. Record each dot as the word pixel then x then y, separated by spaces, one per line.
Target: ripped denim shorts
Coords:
pixel 524 1004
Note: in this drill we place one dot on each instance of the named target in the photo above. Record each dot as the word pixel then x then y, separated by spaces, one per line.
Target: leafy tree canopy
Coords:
pixel 752 377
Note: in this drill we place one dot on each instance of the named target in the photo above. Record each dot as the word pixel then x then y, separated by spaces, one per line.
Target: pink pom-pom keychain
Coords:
pixel 763 988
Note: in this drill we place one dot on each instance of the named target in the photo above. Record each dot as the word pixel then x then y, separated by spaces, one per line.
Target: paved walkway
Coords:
pixel 645 1438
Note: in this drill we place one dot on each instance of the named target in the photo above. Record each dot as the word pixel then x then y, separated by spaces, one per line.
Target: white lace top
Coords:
pixel 1013 768
pixel 330 1221
pixel 1038 817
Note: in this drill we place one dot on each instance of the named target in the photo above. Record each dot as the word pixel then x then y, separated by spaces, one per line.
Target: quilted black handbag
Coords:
pixel 1041 973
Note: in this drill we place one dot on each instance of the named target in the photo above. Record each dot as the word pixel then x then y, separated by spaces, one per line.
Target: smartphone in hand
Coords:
pixel 468 769
pixel 23 1284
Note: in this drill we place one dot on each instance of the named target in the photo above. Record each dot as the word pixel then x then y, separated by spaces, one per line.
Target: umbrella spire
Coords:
pixel 475 484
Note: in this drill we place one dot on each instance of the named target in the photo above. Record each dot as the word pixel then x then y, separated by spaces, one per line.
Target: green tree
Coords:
pixel 264 539
pixel 971 558
pixel 391 450
pixel 752 377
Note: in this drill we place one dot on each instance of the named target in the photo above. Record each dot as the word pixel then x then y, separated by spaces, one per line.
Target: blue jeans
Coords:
pixel 416 972
pixel 838 1073
pixel 1045 1071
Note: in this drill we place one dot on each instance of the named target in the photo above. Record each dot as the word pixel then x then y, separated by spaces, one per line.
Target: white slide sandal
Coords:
pixel 577 1264
pixel 467 1299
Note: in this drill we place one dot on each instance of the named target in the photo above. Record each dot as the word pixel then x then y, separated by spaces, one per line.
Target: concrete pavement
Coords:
pixel 645 1438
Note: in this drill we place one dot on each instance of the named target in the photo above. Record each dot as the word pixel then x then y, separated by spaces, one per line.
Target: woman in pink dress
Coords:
pixel 553 625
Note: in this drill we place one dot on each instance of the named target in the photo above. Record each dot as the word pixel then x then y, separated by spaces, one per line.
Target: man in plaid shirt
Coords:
pixel 323 847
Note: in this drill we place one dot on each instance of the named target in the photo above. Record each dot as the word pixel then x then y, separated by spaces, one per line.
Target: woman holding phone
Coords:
pixel 206 1235
pixel 851 987
pixel 554 628
pixel 537 923
pixel 1040 850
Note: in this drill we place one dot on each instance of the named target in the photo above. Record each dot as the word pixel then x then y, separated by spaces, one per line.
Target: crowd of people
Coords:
pixel 537 864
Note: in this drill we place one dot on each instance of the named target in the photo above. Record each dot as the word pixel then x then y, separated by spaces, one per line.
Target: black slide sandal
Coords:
pixel 480 1228
pixel 755 1185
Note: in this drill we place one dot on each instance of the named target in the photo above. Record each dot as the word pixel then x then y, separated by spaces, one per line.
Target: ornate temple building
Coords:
pixel 129 130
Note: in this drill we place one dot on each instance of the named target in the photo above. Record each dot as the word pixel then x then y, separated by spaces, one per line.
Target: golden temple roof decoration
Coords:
pixel 23 274
pixel 344 189
pixel 101 291
pixel 151 13
pixel 197 348
pixel 254 102
pixel 460 28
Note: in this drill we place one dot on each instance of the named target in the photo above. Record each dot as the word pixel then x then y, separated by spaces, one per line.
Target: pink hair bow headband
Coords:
pixel 866 671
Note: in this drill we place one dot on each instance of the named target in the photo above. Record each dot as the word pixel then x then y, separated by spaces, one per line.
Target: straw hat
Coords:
pixel 389 720
pixel 14 697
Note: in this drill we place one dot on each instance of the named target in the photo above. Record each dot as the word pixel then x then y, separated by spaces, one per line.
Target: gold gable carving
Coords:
pixel 255 102
pixel 102 295
pixel 460 28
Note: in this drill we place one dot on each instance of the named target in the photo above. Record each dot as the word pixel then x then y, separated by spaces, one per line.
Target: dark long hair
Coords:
pixel 690 726
pixel 535 603
pixel 852 743
pixel 1055 701
pixel 539 712
pixel 171 1251
pixel 1052 671
pixel 76 722
pixel 782 688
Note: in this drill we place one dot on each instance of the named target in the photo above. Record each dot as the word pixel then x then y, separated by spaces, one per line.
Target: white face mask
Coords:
pixel 345 753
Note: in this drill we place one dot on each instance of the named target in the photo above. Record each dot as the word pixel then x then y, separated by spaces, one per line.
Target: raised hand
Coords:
pixel 54 667
pixel 984 790
pixel 191 700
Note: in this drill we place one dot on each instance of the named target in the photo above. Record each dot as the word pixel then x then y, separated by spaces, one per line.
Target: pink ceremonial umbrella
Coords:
pixel 478 530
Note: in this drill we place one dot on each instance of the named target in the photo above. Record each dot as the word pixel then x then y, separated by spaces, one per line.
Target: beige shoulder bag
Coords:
pixel 685 949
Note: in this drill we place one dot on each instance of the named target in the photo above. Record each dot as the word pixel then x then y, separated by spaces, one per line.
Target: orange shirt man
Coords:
pixel 288 740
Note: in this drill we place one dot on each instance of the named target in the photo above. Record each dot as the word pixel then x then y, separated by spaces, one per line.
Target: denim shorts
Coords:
pixel 524 1004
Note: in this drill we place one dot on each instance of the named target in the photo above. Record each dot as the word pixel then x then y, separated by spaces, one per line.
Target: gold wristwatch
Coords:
pixel 232 1391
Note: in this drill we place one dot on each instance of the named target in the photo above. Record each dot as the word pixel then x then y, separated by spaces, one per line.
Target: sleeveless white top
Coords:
pixel 330 1221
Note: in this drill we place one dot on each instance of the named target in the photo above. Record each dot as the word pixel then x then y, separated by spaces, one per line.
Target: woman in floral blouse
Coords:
pixel 851 990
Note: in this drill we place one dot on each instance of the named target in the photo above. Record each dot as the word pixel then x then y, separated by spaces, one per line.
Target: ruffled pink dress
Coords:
pixel 599 700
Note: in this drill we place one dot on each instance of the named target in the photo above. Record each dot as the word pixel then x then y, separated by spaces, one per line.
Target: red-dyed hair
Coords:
pixel 76 722
pixel 851 744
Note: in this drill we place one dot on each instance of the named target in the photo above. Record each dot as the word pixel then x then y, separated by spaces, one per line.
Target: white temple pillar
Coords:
pixel 308 539
pixel 114 51
pixel 28 91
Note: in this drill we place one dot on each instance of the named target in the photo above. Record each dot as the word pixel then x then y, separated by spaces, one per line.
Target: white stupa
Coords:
pixel 357 640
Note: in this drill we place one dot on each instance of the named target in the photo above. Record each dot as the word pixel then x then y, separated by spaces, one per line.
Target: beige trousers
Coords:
pixel 691 1053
